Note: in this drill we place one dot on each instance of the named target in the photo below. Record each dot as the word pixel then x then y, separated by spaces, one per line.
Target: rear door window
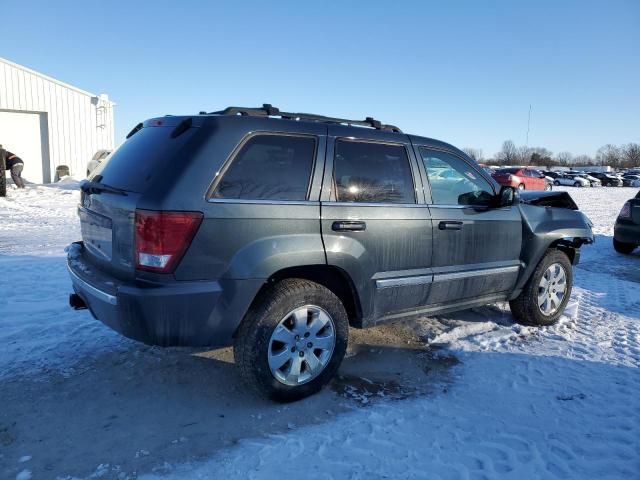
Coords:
pixel 367 172
pixel 269 167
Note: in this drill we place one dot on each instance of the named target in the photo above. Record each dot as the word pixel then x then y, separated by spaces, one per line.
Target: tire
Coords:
pixel 622 247
pixel 556 183
pixel 521 186
pixel 548 187
pixel 3 183
pixel 577 184
pixel 3 175
pixel 255 343
pixel 526 308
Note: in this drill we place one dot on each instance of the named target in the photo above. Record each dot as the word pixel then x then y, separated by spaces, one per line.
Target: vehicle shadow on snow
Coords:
pixel 607 260
pixel 510 415
pixel 141 406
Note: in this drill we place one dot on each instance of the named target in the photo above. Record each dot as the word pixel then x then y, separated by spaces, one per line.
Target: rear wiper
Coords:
pixel 89 186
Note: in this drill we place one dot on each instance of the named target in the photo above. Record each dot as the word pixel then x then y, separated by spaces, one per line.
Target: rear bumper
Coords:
pixel 201 313
pixel 627 232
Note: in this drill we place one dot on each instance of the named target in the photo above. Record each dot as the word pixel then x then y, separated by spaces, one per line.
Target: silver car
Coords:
pixel 572 180
pixel 96 160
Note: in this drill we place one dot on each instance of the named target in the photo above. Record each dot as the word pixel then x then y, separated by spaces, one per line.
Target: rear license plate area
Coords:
pixel 96 233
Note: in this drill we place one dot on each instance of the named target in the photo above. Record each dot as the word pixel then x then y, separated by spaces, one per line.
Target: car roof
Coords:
pixel 348 127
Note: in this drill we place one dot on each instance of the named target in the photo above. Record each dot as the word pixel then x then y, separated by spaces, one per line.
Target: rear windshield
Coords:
pixel 508 170
pixel 134 164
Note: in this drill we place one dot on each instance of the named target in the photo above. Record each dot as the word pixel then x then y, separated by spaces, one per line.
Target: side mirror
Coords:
pixel 505 198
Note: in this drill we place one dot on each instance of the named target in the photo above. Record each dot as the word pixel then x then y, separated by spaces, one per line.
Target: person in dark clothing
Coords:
pixel 16 165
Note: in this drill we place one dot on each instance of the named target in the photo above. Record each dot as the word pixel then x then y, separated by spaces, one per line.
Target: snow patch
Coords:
pixel 24 475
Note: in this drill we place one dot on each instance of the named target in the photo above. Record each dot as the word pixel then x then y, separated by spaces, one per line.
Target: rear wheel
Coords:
pixel 577 184
pixel 292 343
pixel 547 292
pixel 556 183
pixel 622 247
pixel 3 176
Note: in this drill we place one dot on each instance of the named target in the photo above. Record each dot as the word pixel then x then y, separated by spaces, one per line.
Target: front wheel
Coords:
pixel 292 343
pixel 556 183
pixel 622 247
pixel 577 184
pixel 547 292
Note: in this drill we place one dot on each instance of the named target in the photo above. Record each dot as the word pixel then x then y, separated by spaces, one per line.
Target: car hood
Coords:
pixel 548 199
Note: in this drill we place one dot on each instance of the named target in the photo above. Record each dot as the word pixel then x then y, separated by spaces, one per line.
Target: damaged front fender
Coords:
pixel 550 220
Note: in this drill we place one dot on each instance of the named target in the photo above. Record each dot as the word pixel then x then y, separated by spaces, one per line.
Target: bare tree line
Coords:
pixel 623 156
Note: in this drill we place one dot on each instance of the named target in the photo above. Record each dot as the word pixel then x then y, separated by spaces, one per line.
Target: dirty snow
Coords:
pixel 468 395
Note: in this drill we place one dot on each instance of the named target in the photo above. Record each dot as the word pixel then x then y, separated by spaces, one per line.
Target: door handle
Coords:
pixel 450 225
pixel 348 226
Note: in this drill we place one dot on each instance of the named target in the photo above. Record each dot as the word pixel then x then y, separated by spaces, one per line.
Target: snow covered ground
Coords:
pixel 468 395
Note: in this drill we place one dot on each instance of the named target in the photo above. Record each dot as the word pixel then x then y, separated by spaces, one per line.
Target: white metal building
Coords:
pixel 49 123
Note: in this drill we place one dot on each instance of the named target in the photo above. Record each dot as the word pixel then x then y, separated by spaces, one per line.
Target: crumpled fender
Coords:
pixel 549 220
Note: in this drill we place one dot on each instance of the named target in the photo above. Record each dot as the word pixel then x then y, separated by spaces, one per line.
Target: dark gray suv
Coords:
pixel 274 232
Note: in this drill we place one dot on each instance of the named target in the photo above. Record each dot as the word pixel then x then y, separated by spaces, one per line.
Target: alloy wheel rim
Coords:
pixel 552 289
pixel 301 345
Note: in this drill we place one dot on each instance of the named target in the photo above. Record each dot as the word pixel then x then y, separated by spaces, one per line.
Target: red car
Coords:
pixel 522 178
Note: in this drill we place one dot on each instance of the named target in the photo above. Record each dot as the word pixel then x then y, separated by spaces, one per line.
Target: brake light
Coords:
pixel 626 211
pixel 162 238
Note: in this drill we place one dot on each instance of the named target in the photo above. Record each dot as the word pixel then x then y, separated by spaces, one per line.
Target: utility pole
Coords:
pixel 528 125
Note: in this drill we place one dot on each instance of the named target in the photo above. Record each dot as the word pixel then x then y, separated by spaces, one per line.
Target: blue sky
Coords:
pixel 463 72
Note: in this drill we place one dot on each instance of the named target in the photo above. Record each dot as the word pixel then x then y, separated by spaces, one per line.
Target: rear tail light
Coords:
pixel 162 238
pixel 626 211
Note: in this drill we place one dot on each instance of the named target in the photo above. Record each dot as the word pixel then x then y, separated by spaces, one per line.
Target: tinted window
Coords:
pixel 372 173
pixel 269 167
pixel 453 181
pixel 133 165
pixel 512 171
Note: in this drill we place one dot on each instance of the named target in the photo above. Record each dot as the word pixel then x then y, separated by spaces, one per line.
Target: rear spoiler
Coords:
pixel 180 124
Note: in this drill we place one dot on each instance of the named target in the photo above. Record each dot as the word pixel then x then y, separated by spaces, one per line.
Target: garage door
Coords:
pixel 20 133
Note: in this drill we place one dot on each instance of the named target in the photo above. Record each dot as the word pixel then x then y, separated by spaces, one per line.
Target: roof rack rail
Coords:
pixel 267 110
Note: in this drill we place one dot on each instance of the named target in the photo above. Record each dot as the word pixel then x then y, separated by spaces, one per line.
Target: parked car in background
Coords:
pixel 594 182
pixel 607 179
pixel 549 181
pixel 551 173
pixel 489 170
pixel 96 160
pixel 521 178
pixel 626 234
pixel 631 180
pixel 281 230
pixel 571 179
